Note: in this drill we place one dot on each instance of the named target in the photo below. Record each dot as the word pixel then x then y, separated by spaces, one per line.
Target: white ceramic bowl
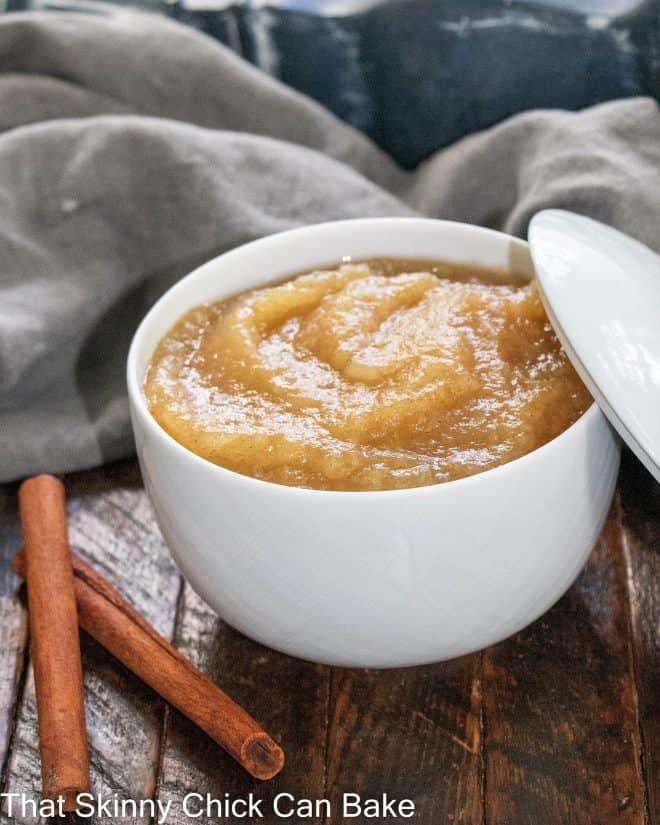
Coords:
pixel 383 578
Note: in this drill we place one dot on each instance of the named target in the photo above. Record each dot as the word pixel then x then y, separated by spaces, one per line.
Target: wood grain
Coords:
pixel 411 733
pixel 111 525
pixel 640 506
pixel 559 708
pixel 13 622
pixel 287 696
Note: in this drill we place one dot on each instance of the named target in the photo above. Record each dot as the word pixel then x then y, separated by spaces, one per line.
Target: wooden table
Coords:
pixel 559 724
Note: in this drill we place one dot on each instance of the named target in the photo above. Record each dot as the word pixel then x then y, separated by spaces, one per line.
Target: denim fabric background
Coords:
pixel 416 75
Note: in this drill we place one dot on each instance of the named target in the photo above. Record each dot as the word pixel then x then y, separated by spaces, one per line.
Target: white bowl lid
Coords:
pixel 601 290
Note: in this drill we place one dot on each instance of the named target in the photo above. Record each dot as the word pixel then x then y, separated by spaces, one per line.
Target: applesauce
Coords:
pixel 375 375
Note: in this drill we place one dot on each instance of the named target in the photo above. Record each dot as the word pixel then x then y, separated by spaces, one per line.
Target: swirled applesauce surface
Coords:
pixel 375 375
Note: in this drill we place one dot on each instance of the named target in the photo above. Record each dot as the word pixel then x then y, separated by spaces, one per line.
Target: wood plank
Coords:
pixel 640 504
pixel 13 623
pixel 289 697
pixel 112 526
pixel 411 733
pixel 559 708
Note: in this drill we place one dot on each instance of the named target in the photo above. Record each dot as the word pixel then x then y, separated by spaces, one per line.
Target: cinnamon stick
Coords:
pixel 54 640
pixel 109 619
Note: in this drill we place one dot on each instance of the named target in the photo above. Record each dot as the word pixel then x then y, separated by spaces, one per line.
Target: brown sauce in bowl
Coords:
pixel 376 375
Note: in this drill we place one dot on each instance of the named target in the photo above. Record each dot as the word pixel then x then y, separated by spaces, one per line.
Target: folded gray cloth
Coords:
pixel 132 149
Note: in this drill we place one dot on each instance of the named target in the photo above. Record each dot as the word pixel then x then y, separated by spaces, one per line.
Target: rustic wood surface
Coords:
pixel 559 724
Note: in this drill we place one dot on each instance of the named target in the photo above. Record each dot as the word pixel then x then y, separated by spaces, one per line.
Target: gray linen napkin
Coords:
pixel 132 149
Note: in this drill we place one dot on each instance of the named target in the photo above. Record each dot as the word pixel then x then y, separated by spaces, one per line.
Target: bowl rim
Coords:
pixel 139 405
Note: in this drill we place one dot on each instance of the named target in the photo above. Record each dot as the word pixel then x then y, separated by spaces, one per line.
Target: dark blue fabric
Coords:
pixel 416 75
